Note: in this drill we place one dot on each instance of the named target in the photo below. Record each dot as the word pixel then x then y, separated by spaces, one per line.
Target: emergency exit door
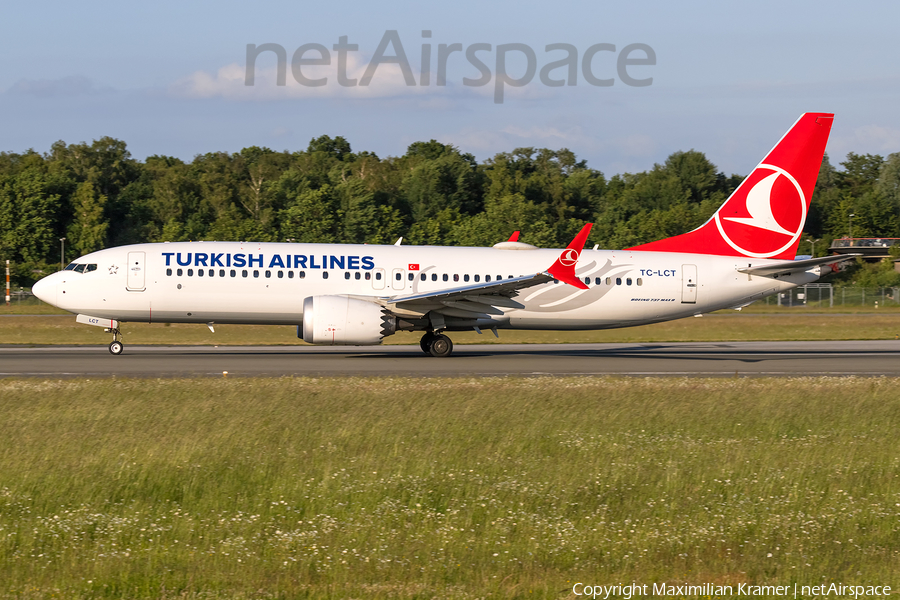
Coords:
pixel 688 284
pixel 136 272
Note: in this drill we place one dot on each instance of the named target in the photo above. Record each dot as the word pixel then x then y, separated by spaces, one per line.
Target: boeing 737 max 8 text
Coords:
pixel 359 294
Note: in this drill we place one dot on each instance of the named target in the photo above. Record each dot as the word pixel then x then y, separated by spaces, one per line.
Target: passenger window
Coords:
pixel 597 280
pixel 324 274
pixel 255 273
pixel 399 276
pixel 280 274
pixel 268 274
pixel 244 273
pixel 233 273
pixel 423 277
pixel 369 276
pixel 290 274
pixel 357 276
pixel 434 276
pixel 199 272
pixel 618 281
pixel 169 272
pixel 445 277
pixel 179 272
pixel 190 272
pixel 466 277
pixel 628 281
pixel 608 281
pixel 301 275
pixel 411 276
pixel 487 277
pixel 587 280
pixel 377 276
pixel 477 278
pixel 221 272
pixel 455 277
pixel 212 273
pixel 640 281
pixel 346 274
pixel 499 277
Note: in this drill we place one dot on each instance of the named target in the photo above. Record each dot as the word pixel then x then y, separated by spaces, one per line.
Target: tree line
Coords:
pixel 96 196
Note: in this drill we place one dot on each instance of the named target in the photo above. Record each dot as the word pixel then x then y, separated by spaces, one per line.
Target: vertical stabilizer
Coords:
pixel 765 215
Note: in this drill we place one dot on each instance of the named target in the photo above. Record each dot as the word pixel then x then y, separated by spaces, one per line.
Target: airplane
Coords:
pixel 345 294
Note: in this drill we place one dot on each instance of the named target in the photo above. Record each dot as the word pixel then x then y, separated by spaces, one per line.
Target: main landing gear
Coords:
pixel 436 344
pixel 115 347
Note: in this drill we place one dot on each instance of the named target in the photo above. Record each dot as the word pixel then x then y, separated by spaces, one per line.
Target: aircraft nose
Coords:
pixel 45 290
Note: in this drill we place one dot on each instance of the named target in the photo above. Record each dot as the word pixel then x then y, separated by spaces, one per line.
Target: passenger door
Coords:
pixel 688 284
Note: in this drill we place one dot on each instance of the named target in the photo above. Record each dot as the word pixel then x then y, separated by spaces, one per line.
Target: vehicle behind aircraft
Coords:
pixel 344 294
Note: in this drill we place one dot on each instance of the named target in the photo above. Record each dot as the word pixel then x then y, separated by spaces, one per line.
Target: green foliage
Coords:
pixel 97 196
pixel 87 232
pixel 313 217
pixel 880 274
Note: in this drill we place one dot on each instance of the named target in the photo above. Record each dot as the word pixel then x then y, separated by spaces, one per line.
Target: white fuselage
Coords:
pixel 266 283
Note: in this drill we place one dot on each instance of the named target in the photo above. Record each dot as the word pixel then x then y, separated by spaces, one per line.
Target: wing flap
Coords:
pixel 472 307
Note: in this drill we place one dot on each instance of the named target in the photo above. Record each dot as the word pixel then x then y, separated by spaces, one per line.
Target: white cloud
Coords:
pixel 869 139
pixel 387 82
pixel 63 87
pixel 229 82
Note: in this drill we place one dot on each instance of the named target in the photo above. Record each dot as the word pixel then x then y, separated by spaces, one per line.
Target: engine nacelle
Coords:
pixel 335 320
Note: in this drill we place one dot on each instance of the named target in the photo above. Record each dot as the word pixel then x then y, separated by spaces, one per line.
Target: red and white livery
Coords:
pixel 359 294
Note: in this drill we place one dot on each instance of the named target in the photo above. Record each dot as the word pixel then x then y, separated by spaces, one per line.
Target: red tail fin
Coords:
pixel 764 217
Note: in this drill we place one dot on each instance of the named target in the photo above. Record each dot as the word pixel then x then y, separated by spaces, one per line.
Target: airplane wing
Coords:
pixel 795 266
pixel 481 300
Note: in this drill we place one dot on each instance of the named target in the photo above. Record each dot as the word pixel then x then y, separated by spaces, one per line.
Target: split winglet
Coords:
pixel 564 267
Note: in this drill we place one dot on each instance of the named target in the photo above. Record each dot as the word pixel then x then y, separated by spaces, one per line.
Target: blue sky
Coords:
pixel 729 79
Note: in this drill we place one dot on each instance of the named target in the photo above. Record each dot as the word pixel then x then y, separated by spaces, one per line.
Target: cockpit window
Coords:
pixel 81 268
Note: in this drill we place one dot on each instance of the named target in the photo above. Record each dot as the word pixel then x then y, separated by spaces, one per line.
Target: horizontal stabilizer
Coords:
pixel 794 266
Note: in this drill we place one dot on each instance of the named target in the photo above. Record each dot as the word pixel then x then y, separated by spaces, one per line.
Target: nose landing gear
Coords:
pixel 436 344
pixel 115 347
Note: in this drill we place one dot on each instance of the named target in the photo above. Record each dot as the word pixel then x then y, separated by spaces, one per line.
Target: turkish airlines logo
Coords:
pixel 775 210
pixel 569 257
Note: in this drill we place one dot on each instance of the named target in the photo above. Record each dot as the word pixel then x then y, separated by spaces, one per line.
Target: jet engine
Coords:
pixel 334 320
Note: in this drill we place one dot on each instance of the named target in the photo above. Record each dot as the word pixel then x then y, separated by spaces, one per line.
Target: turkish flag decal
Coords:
pixel 413 267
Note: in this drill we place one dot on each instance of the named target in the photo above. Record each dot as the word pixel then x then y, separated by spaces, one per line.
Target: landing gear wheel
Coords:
pixel 425 342
pixel 116 348
pixel 440 346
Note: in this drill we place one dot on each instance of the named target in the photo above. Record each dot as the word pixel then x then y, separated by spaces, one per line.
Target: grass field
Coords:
pixel 734 327
pixel 392 488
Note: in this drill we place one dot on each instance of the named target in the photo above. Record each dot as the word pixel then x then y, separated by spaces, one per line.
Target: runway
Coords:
pixel 864 358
